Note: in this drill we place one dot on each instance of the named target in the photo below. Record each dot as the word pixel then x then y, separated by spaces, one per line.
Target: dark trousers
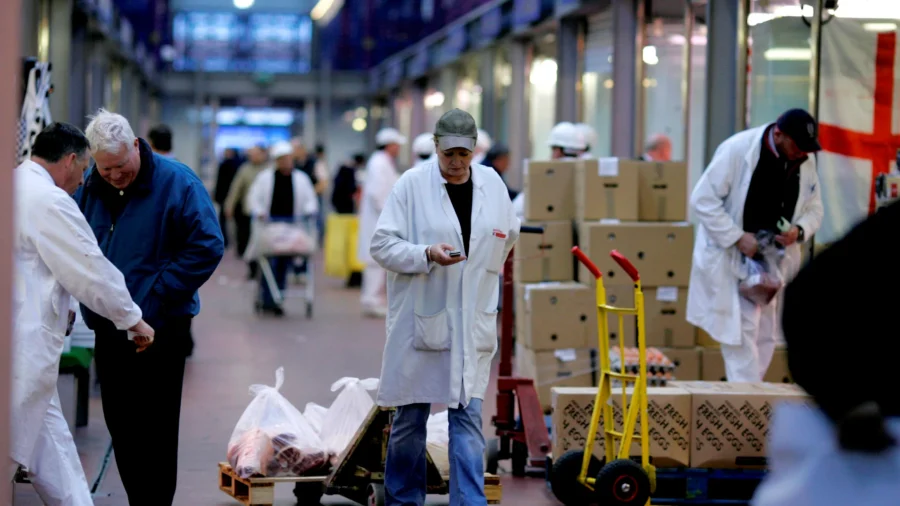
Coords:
pixel 141 396
pixel 243 225
pixel 280 267
pixel 223 224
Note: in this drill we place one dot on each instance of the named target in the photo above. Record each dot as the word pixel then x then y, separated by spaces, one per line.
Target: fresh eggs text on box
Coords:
pixel 669 411
pixel 730 425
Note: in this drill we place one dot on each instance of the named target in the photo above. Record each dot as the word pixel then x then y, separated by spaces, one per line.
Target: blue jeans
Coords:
pixel 280 267
pixel 405 468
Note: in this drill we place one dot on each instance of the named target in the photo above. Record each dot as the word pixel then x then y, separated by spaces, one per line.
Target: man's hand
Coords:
pixel 789 237
pixel 438 254
pixel 143 335
pixel 748 245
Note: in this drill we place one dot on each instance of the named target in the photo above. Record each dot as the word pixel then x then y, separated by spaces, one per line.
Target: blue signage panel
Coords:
pixel 490 27
pixel 454 44
pixel 528 12
pixel 418 65
pixel 564 7
pixel 394 74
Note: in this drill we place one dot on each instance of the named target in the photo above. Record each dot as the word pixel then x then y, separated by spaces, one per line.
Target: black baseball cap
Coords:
pixel 800 126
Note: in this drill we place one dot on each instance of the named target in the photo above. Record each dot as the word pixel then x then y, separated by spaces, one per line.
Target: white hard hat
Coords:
pixel 387 136
pixel 281 148
pixel 423 145
pixel 567 136
pixel 484 141
pixel 590 135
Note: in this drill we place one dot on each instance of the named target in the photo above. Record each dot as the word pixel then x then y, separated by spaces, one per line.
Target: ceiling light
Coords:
pixel 788 54
pixel 359 124
pixel 649 55
pixel 879 27
pixel 243 4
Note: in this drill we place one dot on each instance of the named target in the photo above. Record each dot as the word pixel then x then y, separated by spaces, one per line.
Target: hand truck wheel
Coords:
pixel 309 493
pixel 519 459
pixel 376 494
pixel 622 482
pixel 564 478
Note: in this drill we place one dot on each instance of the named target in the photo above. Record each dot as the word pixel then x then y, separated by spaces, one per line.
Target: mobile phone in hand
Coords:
pixel 454 254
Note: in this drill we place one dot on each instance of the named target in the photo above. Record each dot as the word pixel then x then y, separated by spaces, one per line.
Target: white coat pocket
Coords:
pixel 433 332
pixel 485 331
pixel 495 258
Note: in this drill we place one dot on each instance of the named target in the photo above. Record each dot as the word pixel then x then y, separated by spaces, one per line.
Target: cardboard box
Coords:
pixel 712 365
pixel 661 252
pixel 664 314
pixel 778 371
pixel 687 362
pixel 669 412
pixel 556 315
pixel 705 340
pixel 549 190
pixel 730 421
pixel 606 188
pixel 547 256
pixel 556 368
pixel 663 191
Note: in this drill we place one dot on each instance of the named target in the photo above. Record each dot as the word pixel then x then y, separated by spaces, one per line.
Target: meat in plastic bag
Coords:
pixel 347 413
pixel 437 440
pixel 272 438
pixel 314 414
pixel 761 277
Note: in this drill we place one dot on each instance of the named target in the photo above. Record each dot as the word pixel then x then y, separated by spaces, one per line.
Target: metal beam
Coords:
pixel 687 76
pixel 61 12
pixel 625 72
pixel 488 80
pixel 344 85
pixel 517 110
pixel 815 67
pixel 568 55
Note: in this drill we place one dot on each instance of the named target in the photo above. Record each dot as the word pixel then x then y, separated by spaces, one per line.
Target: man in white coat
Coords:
pixel 56 258
pixel 482 146
pixel 443 236
pixel 381 174
pixel 757 181
pixel 423 148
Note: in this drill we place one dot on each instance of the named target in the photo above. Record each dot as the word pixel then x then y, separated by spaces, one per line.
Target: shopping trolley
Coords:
pixel 264 248
pixel 580 478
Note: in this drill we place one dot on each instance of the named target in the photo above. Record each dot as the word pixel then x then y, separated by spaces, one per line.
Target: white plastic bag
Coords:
pixel 347 413
pixel 437 440
pixel 279 239
pixel 807 466
pixel 272 438
pixel 314 414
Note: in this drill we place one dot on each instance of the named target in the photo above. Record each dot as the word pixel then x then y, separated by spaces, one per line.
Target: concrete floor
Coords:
pixel 235 349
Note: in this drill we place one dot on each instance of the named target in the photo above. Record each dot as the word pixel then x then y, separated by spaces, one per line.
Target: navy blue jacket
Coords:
pixel 166 241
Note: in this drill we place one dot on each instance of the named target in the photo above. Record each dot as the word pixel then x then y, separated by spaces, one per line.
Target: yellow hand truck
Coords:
pixel 577 477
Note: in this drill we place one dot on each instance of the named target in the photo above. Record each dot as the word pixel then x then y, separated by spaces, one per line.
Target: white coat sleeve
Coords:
pixel 514 226
pixel 708 197
pixel 519 205
pixel 382 181
pixel 390 247
pixel 308 192
pixel 68 247
pixel 256 197
pixel 813 211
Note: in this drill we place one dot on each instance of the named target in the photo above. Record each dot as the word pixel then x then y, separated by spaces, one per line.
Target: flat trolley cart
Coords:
pixel 358 474
pixel 578 477
pixel 281 247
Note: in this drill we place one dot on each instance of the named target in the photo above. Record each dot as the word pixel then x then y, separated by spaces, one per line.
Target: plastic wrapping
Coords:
pixel 272 438
pixel 437 441
pixel 314 414
pixel 347 413
pixel 761 277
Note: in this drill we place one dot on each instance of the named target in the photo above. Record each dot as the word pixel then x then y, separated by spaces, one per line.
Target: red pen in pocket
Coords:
pixel 498 234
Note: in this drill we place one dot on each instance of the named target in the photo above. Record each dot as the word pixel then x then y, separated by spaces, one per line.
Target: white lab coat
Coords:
pixel 442 321
pixel 259 197
pixel 718 202
pixel 381 175
pixel 478 158
pixel 56 254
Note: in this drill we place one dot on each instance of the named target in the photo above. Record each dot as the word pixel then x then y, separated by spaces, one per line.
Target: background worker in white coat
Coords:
pixel 381 174
pixel 423 148
pixel 482 145
pixel 756 179
pixel 56 258
pixel 566 142
pixel 442 335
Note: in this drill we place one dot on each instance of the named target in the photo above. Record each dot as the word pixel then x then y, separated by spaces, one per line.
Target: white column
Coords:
pixel 309 123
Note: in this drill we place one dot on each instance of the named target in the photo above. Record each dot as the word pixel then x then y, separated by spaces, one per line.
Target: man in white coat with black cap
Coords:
pixel 443 236
pixel 57 258
pixel 759 180
pixel 381 174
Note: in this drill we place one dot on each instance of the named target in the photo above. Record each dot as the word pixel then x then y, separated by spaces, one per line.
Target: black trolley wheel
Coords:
pixel 309 493
pixel 622 482
pixel 492 456
pixel 564 478
pixel 375 493
pixel 519 458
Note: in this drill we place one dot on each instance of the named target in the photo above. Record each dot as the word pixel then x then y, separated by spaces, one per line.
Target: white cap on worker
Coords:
pixel 423 145
pixel 483 142
pixel 281 148
pixel 590 135
pixel 567 136
pixel 387 136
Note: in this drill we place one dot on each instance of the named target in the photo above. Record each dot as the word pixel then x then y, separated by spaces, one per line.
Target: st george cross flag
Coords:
pixel 859 116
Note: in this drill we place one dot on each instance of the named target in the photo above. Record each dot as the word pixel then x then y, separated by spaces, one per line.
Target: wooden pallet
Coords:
pixel 261 491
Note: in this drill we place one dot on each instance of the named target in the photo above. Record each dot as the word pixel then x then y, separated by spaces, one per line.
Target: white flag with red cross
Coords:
pixel 859 121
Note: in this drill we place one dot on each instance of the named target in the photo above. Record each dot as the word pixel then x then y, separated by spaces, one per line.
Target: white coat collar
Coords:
pixel 38 169
pixel 476 174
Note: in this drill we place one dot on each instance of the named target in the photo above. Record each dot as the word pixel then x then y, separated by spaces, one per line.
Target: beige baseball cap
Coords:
pixel 456 129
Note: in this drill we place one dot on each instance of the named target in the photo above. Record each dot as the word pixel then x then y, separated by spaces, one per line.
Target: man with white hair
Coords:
pixel 381 174
pixel 155 221
pixel 658 148
pixel 482 145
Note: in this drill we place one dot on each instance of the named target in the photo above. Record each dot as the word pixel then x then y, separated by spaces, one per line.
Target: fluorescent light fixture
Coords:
pixel 325 11
pixel 543 73
pixel 788 54
pixel 243 4
pixel 434 100
pixel 359 124
pixel 879 27
pixel 857 9
pixel 678 40
pixel 649 55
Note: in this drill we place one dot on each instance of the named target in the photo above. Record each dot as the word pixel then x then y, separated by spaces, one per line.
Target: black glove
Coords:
pixel 863 430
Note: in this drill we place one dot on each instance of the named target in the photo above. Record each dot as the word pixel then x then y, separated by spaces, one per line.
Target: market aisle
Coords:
pixel 235 349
